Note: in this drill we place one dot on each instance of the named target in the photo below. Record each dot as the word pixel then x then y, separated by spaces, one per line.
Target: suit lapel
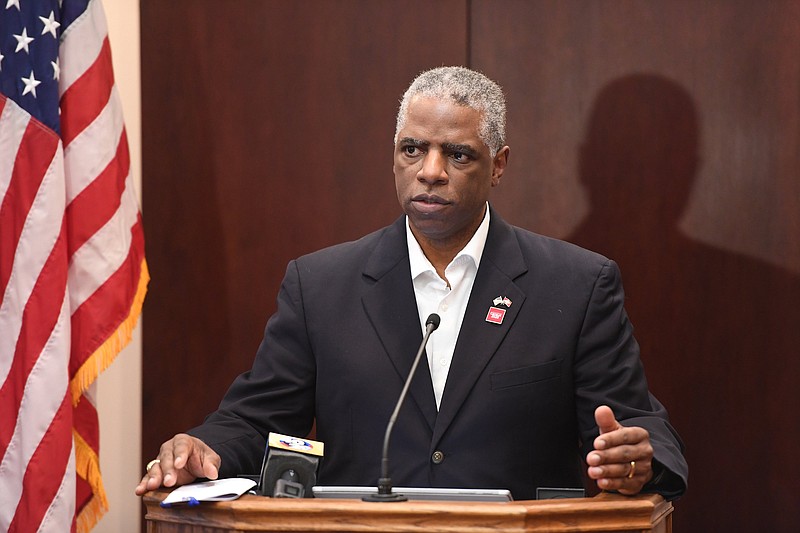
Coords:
pixel 478 340
pixel 392 309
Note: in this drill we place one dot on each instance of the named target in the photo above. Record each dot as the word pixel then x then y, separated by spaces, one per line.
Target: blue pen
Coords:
pixel 191 502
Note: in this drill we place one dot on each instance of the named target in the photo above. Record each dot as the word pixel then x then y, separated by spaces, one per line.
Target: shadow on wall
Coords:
pixel 720 332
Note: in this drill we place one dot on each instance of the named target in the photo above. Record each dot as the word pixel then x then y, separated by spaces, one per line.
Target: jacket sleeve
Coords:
pixel 608 371
pixel 276 394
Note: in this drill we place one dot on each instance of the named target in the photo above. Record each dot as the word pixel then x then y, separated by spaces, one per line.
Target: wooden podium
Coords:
pixel 605 512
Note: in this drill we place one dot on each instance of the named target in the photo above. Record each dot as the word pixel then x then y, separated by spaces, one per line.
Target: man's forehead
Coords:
pixel 439 120
pixel 428 103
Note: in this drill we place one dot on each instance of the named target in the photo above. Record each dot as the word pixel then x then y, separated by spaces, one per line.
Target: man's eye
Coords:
pixel 460 157
pixel 410 150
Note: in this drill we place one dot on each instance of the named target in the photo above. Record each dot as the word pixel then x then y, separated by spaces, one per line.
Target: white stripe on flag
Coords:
pixel 13 123
pixel 94 148
pixel 93 263
pixel 62 509
pixel 35 245
pixel 81 43
pixel 44 393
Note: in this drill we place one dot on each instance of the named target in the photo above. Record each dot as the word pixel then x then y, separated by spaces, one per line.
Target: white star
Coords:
pixel 50 25
pixel 30 85
pixel 56 69
pixel 14 3
pixel 1 61
pixel 23 41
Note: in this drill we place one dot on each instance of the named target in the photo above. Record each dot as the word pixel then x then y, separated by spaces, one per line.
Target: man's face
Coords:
pixel 443 171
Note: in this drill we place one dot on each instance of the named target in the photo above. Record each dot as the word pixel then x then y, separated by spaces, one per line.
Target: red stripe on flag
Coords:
pixel 85 422
pixel 103 321
pixel 38 320
pixel 87 96
pixel 108 307
pixel 84 494
pixel 97 203
pixel 45 471
pixel 34 156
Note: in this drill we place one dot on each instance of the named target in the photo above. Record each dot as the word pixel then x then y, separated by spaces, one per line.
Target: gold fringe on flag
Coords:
pixel 90 515
pixel 87 464
pixel 102 358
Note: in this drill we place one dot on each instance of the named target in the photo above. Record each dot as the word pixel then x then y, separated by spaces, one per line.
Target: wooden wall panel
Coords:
pixel 665 135
pixel 267 133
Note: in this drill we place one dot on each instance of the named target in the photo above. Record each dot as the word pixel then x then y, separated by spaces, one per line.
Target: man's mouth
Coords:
pixel 428 203
pixel 429 199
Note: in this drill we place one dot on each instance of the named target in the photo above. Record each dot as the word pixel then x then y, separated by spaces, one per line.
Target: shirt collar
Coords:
pixel 473 249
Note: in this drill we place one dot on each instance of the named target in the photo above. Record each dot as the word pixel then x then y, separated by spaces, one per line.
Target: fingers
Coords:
pixel 622 458
pixel 150 481
pixel 614 435
pixel 199 460
pixel 604 417
pixel 181 460
pixel 174 455
pixel 626 477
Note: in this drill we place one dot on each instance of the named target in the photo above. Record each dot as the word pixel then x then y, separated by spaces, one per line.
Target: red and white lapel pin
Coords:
pixel 496 314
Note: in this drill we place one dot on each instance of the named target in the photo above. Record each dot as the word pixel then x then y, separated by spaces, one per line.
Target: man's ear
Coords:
pixel 499 165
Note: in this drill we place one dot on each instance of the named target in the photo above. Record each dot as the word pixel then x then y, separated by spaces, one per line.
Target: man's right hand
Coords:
pixel 182 459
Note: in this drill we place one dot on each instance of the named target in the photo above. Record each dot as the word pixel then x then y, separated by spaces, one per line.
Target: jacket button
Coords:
pixel 437 457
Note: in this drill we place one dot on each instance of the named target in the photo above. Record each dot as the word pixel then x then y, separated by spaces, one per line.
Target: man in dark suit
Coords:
pixel 534 368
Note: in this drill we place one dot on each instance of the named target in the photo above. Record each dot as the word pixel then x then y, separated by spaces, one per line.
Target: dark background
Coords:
pixel 664 134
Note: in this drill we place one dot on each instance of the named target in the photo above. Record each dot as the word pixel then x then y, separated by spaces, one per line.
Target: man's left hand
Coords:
pixel 623 457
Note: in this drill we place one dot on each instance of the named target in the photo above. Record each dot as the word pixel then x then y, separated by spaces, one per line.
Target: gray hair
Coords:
pixel 464 87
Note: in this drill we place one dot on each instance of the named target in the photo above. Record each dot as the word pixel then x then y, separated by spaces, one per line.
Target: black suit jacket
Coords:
pixel 517 410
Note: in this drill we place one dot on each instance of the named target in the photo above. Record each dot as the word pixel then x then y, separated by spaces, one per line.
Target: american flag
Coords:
pixel 72 269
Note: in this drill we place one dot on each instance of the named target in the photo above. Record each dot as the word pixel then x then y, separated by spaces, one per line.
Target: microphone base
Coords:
pixel 389 498
pixel 384 493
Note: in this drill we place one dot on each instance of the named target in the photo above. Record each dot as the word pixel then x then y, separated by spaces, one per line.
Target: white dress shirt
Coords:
pixel 450 302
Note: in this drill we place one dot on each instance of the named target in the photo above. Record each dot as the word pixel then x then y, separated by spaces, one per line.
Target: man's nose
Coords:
pixel 434 168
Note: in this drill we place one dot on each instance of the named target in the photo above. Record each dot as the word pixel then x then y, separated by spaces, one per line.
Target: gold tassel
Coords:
pixel 91 513
pixel 87 466
pixel 102 358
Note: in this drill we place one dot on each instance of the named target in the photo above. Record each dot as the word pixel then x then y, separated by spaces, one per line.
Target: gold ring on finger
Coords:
pixel 151 463
pixel 632 471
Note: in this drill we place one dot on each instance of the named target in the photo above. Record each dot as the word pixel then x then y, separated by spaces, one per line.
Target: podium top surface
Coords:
pixel 605 512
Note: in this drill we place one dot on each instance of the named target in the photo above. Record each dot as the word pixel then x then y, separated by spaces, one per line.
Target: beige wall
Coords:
pixel 119 388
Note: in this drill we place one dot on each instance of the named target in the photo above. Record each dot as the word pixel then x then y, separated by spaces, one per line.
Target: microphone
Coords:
pixel 290 466
pixel 385 493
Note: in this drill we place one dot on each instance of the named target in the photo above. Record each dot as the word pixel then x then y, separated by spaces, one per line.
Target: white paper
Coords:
pixel 217 490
